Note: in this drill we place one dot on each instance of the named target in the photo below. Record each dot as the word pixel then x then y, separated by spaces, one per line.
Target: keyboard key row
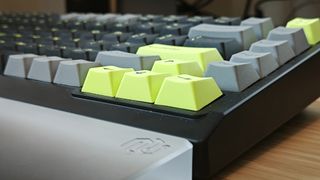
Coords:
pixel 181 91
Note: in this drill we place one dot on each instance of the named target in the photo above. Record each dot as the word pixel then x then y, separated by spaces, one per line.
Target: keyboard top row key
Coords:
pixel 244 35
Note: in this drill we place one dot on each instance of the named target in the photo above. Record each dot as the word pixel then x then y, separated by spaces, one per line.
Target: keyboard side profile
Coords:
pixel 220 131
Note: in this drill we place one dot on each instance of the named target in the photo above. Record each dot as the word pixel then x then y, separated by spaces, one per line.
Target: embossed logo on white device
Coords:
pixel 145 145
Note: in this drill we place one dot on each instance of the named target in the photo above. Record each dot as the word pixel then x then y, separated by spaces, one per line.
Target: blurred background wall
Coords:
pixel 279 10
pixel 57 6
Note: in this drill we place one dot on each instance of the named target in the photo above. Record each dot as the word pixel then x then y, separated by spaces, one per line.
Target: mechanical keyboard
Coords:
pixel 221 83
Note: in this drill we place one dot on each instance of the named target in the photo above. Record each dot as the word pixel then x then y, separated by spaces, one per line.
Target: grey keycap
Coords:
pixel 126 60
pixel 232 76
pixel 70 16
pixel 281 50
pixel 106 18
pixel 128 18
pixel 261 26
pixel 243 34
pixel 263 63
pixel 295 36
pixel 44 68
pixel 87 17
pixel 73 72
pixel 19 65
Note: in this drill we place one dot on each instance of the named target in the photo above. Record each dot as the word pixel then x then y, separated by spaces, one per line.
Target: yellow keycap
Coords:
pixel 188 92
pixel 201 55
pixel 176 67
pixel 104 80
pixel 141 85
pixel 311 28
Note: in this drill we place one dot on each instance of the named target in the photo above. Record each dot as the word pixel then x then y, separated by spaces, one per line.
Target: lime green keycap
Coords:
pixel 311 28
pixel 176 67
pixel 141 85
pixel 201 55
pixel 104 80
pixel 188 92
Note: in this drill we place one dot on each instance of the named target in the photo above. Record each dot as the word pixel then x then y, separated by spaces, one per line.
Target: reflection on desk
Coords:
pixel 291 152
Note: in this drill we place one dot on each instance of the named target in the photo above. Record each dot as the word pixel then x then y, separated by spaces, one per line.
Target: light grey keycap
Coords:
pixel 19 65
pixel 86 17
pixel 126 60
pixel 232 76
pixel 295 36
pixel 128 18
pixel 73 72
pixel 106 18
pixel 263 63
pixel 243 34
pixel 70 16
pixel 261 26
pixel 281 50
pixel 44 68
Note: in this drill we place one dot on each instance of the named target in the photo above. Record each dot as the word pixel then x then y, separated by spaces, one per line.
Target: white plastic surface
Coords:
pixel 38 143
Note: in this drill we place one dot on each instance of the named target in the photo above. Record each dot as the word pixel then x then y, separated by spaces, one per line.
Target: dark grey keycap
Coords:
pixel 142 38
pixel 19 65
pixel 91 45
pixel 106 18
pixel 73 72
pixel 261 26
pixel 107 45
pixel 232 76
pixel 195 20
pixel 171 40
pixel 116 36
pixel 281 50
pixel 7 45
pixel 123 27
pixel 86 35
pixel 68 43
pixel 176 29
pixel 126 60
pixel 86 17
pixel 44 68
pixel 227 20
pixel 295 36
pixel 95 26
pixel 127 18
pixel 70 16
pixel 150 18
pixel 75 25
pixel 76 53
pixel 149 28
pixel 50 51
pixel 126 47
pixel 226 46
pixel 28 48
pixel 244 35
pixel 171 19
pixel 264 63
pixel 91 54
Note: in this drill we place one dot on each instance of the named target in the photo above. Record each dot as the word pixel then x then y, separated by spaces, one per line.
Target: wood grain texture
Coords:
pixel 291 152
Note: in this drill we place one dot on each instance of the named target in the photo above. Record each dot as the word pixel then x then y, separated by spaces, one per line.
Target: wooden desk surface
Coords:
pixel 291 152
